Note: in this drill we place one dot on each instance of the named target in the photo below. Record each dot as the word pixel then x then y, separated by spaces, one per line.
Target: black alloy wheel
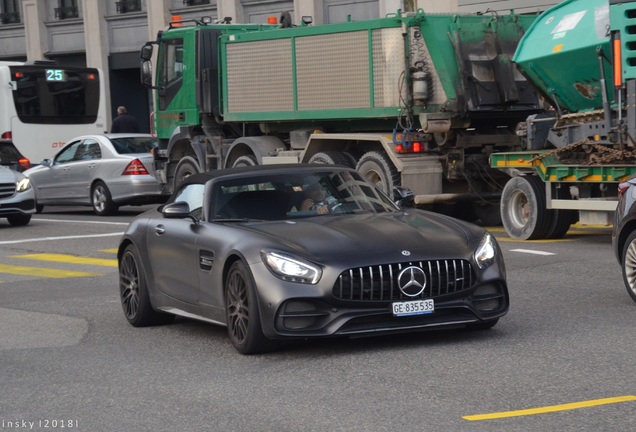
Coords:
pixel 241 308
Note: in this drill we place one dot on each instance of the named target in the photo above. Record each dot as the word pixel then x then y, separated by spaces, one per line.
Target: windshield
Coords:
pixel 55 95
pixel 288 196
pixel 128 145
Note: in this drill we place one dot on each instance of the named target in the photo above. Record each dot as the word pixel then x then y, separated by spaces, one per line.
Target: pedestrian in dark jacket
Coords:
pixel 124 122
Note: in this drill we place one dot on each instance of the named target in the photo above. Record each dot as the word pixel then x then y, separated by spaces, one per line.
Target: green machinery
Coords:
pixel 415 100
pixel 581 57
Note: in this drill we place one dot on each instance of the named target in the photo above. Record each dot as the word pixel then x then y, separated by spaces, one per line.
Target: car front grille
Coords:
pixel 7 190
pixel 380 283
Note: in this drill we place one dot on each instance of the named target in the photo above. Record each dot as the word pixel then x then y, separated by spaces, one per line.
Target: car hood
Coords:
pixel 423 235
pixel 8 176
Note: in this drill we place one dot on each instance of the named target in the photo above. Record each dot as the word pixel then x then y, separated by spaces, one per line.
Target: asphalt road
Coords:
pixel 561 360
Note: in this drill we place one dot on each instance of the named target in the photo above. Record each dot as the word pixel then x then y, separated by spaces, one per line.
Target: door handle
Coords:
pixel 160 229
pixel 92 165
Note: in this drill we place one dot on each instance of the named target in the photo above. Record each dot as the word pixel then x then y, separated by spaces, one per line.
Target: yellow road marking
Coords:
pixel 547 409
pixel 70 259
pixel 43 272
pixel 113 250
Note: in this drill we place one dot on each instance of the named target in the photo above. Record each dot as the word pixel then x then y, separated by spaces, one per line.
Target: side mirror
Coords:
pixel 146 73
pixel 403 197
pixel 146 52
pixel 47 163
pixel 177 210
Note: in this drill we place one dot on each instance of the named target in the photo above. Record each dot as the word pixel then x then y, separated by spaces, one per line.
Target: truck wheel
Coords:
pixel 103 204
pixel 560 219
pixel 187 166
pixel 628 264
pixel 379 170
pixel 333 158
pixel 488 213
pixel 523 208
pixel 246 160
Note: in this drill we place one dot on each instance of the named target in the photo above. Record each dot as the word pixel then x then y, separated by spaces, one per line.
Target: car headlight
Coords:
pixel 290 268
pixel 22 185
pixel 485 252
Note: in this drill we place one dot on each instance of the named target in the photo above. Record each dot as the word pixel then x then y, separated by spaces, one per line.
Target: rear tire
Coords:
pixel 103 204
pixel 186 167
pixel 379 171
pixel 245 161
pixel 333 158
pixel 133 292
pixel 628 265
pixel 560 219
pixel 19 219
pixel 523 209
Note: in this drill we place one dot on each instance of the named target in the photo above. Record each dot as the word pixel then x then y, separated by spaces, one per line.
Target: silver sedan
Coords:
pixel 102 171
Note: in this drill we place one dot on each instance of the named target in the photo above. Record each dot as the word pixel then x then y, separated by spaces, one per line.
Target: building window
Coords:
pixel 195 2
pixel 124 6
pixel 10 12
pixel 67 9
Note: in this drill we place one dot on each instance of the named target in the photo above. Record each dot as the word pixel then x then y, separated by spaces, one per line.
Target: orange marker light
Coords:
pixel 272 20
pixel 618 73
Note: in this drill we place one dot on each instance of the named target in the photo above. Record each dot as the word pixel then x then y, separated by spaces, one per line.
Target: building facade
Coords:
pixel 108 34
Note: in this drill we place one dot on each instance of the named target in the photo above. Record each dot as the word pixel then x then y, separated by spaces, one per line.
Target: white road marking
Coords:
pixel 81 221
pixel 534 252
pixel 60 238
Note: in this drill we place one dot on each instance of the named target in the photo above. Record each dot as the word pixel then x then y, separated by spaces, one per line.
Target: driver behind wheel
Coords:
pixel 316 199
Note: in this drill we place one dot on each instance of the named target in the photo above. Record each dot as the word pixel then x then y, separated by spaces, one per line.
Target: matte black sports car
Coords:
pixel 302 251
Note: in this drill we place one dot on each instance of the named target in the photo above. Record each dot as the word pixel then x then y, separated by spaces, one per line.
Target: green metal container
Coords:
pixel 357 71
pixel 560 54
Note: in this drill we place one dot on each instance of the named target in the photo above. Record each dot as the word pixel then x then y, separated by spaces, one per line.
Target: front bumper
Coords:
pixel 304 311
pixel 19 203
pixel 315 318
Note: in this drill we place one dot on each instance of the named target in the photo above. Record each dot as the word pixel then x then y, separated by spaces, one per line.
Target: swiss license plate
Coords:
pixel 413 307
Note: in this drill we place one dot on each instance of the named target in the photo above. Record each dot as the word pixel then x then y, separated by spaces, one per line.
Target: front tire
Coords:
pixel 19 219
pixel 628 265
pixel 242 314
pixel 103 204
pixel 133 292
pixel 523 209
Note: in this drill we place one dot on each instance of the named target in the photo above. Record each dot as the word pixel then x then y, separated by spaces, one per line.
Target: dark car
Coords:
pixel 624 233
pixel 11 157
pixel 249 248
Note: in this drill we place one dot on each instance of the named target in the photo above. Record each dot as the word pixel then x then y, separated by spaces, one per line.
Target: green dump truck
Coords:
pixel 414 100
pixel 522 119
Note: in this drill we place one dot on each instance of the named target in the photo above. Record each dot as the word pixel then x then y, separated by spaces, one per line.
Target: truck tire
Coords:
pixel 379 170
pixel 560 219
pixel 523 208
pixel 488 213
pixel 186 167
pixel 246 160
pixel 333 158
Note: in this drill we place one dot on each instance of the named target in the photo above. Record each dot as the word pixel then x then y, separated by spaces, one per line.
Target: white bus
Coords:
pixel 43 105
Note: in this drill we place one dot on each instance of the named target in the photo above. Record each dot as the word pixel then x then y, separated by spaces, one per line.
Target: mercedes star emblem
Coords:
pixel 412 281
